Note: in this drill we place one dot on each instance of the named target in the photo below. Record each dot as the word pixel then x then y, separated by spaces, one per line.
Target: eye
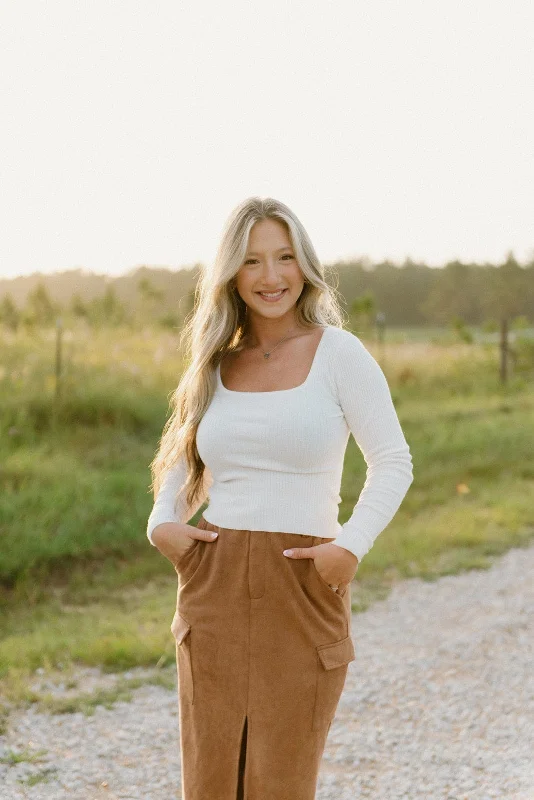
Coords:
pixel 253 260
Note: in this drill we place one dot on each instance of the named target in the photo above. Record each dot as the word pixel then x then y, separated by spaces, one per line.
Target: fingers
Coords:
pixel 206 536
pixel 300 552
pixel 200 532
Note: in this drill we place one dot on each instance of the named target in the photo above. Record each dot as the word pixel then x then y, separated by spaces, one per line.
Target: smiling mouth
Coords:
pixel 271 296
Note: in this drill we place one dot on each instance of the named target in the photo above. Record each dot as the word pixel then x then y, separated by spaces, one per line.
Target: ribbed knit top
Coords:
pixel 274 460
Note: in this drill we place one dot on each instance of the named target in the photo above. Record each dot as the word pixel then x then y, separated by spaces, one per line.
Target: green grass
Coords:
pixel 79 582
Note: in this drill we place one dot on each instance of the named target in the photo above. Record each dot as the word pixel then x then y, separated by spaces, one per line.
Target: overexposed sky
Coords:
pixel 131 129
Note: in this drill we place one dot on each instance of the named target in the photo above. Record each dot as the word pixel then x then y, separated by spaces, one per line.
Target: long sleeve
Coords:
pixel 365 398
pixel 164 510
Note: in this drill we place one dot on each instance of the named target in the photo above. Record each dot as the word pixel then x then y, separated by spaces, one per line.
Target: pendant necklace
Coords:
pixel 266 355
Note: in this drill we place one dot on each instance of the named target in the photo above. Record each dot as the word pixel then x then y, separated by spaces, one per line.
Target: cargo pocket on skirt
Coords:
pixel 332 666
pixel 181 630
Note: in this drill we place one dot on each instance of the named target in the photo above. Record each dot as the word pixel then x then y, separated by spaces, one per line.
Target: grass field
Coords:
pixel 79 581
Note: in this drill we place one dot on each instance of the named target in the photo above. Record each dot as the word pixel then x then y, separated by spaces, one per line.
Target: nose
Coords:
pixel 269 272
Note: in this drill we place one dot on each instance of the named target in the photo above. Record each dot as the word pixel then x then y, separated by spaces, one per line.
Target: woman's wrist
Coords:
pixel 162 530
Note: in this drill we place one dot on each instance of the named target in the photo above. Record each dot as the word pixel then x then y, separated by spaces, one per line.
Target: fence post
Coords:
pixel 380 321
pixel 59 330
pixel 504 349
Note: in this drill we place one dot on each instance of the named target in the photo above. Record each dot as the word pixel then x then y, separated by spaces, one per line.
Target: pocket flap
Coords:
pixel 337 654
pixel 179 627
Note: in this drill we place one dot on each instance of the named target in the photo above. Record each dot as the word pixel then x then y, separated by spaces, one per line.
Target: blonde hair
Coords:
pixel 217 323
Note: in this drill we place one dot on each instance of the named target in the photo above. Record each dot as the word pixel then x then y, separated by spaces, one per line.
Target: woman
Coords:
pixel 261 420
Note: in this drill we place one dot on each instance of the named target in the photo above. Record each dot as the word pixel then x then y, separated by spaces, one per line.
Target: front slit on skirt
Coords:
pixel 262 652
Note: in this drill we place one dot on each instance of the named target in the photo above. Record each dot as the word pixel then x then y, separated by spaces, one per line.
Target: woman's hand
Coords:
pixel 174 539
pixel 335 564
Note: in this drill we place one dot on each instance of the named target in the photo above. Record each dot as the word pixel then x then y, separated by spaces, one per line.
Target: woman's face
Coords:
pixel 269 265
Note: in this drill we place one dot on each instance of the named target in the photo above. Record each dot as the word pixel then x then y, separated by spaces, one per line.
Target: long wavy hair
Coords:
pixel 217 324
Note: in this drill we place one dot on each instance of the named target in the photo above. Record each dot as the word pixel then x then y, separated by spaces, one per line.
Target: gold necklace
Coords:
pixel 266 355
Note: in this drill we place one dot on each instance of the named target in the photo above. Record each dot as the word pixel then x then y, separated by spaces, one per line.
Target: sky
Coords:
pixel 130 130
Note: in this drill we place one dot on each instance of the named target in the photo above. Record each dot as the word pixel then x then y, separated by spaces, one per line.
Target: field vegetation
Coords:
pixel 79 582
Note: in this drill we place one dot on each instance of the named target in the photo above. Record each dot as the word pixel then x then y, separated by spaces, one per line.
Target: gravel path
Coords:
pixel 438 705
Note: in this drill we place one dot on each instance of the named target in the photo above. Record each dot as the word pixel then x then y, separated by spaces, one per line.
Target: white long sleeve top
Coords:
pixel 274 460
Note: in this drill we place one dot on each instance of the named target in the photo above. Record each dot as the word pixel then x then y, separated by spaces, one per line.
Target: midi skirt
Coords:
pixel 263 645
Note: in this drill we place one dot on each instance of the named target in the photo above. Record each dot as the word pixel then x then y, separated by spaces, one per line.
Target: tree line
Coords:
pixel 411 294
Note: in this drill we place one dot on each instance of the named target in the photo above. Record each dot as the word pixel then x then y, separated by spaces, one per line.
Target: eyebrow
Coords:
pixel 252 253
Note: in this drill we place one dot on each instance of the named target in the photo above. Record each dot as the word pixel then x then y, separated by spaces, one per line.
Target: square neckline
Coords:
pixel 278 391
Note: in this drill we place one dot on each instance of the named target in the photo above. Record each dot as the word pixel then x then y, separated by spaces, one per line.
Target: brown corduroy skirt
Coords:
pixel 262 651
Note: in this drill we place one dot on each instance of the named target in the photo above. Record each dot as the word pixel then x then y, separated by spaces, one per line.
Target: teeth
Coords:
pixel 272 294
